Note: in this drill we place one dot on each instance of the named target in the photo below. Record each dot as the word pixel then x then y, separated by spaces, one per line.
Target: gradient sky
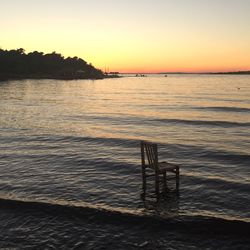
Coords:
pixel 133 35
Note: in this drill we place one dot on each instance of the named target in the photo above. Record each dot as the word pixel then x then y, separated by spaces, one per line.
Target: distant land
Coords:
pixel 16 64
pixel 210 73
pixel 232 73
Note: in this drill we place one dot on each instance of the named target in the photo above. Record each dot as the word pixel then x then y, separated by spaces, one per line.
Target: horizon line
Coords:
pixel 186 72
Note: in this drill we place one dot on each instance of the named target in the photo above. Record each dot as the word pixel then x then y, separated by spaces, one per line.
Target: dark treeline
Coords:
pixel 16 64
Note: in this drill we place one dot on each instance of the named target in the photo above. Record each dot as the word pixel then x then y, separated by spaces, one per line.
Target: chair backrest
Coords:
pixel 149 155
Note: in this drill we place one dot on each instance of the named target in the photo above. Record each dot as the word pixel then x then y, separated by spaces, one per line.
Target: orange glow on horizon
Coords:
pixel 174 70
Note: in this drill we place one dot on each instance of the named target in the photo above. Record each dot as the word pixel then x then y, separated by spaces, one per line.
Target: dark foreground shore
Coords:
pixel 37 225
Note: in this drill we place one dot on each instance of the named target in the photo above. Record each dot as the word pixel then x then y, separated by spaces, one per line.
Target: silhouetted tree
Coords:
pixel 18 64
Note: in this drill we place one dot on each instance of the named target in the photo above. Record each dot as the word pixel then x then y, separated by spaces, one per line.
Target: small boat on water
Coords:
pixel 140 75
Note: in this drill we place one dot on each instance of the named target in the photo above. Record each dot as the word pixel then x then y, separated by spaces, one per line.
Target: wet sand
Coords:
pixel 46 226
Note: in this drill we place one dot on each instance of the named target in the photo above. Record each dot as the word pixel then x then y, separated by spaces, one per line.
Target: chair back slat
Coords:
pixel 150 151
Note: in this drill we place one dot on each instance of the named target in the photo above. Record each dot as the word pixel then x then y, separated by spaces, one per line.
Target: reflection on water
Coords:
pixel 167 206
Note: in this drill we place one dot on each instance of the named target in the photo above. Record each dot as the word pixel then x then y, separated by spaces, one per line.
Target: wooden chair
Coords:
pixel 149 160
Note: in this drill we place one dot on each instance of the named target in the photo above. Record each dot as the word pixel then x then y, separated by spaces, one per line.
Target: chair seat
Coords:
pixel 166 166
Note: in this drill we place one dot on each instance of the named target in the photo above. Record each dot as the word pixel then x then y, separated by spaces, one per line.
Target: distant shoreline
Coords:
pixel 231 73
pixel 209 73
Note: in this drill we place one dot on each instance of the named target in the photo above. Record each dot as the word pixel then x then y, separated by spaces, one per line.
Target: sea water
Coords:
pixel 77 144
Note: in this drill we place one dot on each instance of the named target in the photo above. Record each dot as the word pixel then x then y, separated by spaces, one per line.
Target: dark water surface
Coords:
pixel 75 144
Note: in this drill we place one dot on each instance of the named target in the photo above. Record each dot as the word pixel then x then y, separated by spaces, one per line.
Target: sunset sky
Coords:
pixel 133 35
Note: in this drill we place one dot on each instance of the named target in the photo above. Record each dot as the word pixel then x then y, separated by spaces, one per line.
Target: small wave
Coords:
pixel 122 216
pixel 224 109
pixel 226 156
pixel 155 121
pixel 224 124
pixel 49 138
pixel 217 182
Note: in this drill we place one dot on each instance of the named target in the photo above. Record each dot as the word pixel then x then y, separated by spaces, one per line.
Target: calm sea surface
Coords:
pixel 76 143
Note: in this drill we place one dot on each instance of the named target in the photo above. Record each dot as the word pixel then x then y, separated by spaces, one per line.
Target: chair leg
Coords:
pixel 165 181
pixel 177 179
pixel 157 186
pixel 144 183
